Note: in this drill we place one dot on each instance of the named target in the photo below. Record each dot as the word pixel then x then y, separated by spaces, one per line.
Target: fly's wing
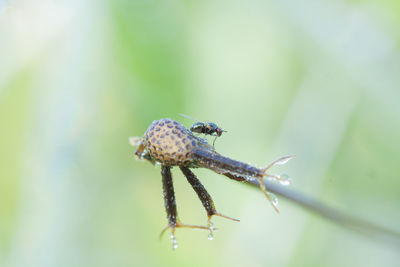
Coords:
pixel 188 117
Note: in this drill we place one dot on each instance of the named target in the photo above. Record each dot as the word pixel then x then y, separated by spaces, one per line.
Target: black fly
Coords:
pixel 207 128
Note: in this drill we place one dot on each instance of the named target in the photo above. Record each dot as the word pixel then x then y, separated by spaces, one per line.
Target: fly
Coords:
pixel 206 128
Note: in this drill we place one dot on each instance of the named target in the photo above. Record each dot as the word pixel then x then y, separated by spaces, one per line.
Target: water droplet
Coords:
pixel 273 198
pixel 210 236
pixel 283 160
pixel 284 179
pixel 174 243
pixel 211 233
pixel 285 182
pixel 284 176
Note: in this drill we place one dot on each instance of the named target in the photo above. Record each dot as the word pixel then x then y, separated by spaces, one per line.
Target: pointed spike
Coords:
pixel 266 193
pixel 226 217
pixel 283 160
pixel 279 161
pixel 135 141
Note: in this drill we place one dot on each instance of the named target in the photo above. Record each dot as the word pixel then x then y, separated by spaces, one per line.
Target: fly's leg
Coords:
pixel 170 207
pixel 214 141
pixel 205 198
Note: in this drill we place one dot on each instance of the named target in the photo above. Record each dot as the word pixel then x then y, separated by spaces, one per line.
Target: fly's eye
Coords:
pixel 219 131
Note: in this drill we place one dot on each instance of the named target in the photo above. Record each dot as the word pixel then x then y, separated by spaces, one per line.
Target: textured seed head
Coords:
pixel 170 143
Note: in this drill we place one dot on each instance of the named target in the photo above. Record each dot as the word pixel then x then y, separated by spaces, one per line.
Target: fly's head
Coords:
pixel 213 129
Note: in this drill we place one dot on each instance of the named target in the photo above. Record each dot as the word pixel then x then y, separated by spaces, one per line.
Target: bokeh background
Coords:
pixel 315 79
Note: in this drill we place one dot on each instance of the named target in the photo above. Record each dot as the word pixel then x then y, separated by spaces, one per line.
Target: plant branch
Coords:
pixel 341 218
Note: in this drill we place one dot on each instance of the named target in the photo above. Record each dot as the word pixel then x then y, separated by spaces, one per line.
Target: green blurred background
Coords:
pixel 315 79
